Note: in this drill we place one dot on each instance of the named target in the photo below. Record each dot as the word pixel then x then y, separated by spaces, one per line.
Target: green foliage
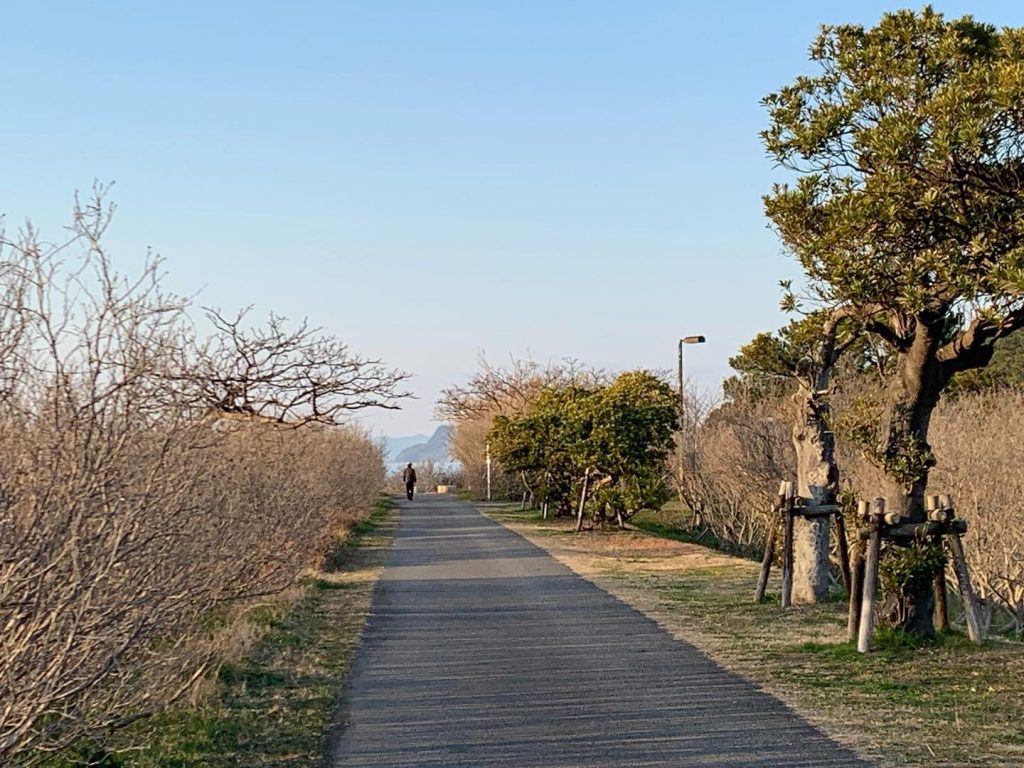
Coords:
pixel 539 443
pixel 908 148
pixel 631 425
pixel 909 570
pixel 906 208
pixel 787 353
pixel 621 432
pixel 763 368
pixel 804 355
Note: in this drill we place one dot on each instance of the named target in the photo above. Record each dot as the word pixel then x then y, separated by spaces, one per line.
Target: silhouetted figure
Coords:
pixel 409 478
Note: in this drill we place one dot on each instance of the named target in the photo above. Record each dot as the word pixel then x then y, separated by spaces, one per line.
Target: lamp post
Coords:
pixel 682 391
pixel 488 449
pixel 682 396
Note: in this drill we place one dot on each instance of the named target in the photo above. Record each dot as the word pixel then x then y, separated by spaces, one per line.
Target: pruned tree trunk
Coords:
pixel 818 482
pixel 906 458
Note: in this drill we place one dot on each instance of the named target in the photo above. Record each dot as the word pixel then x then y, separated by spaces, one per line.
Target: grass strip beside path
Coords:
pixel 277 706
pixel 951 704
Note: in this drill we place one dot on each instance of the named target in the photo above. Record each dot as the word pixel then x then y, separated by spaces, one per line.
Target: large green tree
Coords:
pixel 907 148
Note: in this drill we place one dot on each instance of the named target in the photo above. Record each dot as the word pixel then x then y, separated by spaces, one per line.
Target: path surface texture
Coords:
pixel 482 650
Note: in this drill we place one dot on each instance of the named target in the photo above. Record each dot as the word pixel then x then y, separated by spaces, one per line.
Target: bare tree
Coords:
pixel 126 515
pixel 288 375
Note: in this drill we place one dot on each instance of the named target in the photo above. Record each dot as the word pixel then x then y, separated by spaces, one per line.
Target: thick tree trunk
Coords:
pixel 907 459
pixel 818 482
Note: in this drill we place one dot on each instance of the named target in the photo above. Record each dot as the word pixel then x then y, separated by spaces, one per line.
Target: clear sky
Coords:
pixel 430 180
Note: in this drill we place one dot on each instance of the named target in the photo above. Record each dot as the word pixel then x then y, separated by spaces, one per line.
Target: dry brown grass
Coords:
pixel 948 705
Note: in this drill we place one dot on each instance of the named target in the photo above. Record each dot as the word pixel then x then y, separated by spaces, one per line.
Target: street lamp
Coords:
pixel 682 392
pixel 488 449
pixel 682 399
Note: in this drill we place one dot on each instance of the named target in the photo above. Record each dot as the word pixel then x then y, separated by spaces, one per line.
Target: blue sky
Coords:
pixel 429 180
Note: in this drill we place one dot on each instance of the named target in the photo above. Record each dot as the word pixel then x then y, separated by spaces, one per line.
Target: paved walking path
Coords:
pixel 482 650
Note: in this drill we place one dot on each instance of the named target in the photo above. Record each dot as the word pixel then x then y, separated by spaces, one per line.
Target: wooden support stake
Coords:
pixel 870 594
pixel 844 551
pixel 917 531
pixel 814 513
pixel 963 578
pixel 583 500
pixel 769 549
pixel 856 591
pixel 941 601
pixel 787 550
pixel 766 562
pixel 863 510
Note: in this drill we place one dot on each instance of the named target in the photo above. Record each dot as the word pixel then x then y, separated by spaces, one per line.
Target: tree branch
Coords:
pixel 973 347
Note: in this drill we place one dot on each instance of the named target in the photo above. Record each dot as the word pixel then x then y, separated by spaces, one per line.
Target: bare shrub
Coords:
pixel 740 451
pixel 132 509
pixel 979 442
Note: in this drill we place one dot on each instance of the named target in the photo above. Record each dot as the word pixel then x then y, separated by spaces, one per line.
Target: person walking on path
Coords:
pixel 409 478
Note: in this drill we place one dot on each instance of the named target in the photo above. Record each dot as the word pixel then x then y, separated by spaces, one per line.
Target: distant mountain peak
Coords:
pixel 395 445
pixel 433 449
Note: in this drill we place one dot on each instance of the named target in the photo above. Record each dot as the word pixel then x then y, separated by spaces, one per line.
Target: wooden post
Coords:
pixel 787 545
pixel 870 593
pixel 941 614
pixel 766 563
pixel 941 601
pixel 844 552
pixel 856 590
pixel 857 577
pixel 583 500
pixel 769 548
pixel 963 578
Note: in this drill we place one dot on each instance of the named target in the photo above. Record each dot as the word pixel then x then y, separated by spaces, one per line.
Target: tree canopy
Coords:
pixel 908 146
pixel 906 212
pixel 619 434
